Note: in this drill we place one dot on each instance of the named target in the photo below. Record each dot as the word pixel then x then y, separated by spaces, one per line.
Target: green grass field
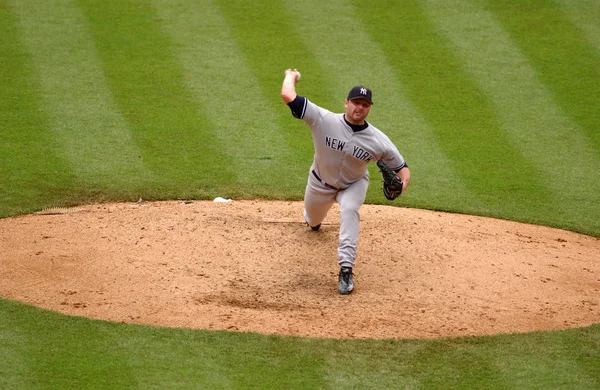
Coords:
pixel 494 104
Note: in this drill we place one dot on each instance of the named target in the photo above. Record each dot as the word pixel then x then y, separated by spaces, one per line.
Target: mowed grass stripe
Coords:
pixel 439 369
pixel 73 354
pixel 569 363
pixel 566 62
pixel 464 121
pixel 235 104
pixel 15 352
pixel 266 49
pixel 347 56
pixel 33 169
pixel 221 360
pixel 529 115
pixel 149 85
pixel 80 109
pixel 76 352
pixel 585 14
pixel 390 359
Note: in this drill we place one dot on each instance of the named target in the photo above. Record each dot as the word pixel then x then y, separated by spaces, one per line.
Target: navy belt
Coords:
pixel 325 184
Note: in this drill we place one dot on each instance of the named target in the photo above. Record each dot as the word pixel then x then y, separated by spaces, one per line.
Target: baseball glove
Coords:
pixel 392 185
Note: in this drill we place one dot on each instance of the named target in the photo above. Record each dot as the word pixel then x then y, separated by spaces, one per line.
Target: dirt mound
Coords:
pixel 255 266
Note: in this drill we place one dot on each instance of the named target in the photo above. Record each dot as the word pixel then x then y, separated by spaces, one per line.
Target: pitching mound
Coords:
pixel 255 266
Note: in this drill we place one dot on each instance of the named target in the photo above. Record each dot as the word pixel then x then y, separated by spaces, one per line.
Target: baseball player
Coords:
pixel 344 144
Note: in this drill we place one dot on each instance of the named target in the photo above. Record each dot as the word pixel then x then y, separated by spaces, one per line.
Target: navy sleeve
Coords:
pixel 405 165
pixel 298 106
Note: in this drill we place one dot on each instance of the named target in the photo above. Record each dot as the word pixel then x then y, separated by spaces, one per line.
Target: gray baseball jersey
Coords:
pixel 342 154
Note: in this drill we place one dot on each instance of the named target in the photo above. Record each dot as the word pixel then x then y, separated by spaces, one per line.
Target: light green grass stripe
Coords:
pixel 33 169
pixel 79 105
pixel 15 362
pixel 219 78
pixel 568 362
pixel 350 367
pixel 585 14
pixel 526 109
pixel 350 56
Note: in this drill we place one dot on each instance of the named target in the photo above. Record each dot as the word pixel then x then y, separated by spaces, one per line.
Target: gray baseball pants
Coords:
pixel 318 199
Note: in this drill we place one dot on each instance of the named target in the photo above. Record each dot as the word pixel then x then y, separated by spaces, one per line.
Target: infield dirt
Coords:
pixel 255 266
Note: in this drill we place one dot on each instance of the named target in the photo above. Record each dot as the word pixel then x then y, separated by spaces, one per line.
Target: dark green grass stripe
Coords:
pixel 148 83
pixel 585 14
pixel 32 169
pixel 561 54
pixel 72 354
pixel 465 124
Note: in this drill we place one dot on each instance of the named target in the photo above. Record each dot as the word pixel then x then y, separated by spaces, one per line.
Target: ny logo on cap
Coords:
pixel 360 92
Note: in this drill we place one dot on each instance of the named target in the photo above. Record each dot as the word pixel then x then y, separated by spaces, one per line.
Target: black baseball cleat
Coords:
pixel 345 284
pixel 314 228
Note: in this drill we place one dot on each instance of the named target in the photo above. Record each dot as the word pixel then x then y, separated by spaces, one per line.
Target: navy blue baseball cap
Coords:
pixel 361 92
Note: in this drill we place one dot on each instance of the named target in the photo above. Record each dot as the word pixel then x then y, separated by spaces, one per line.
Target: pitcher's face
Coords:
pixel 357 111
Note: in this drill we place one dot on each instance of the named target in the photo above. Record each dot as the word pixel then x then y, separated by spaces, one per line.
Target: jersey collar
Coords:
pixel 355 128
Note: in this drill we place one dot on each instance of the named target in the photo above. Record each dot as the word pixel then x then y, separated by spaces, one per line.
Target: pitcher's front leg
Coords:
pixel 350 201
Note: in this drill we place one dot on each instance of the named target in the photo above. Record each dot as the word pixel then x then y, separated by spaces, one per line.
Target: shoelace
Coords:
pixel 346 276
